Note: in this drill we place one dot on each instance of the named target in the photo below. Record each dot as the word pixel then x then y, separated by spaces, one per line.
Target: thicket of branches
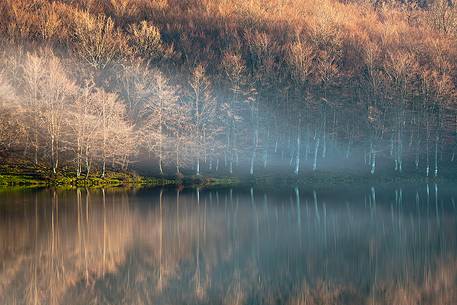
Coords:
pixel 215 84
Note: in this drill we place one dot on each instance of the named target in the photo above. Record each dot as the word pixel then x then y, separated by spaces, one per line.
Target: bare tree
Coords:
pixel 98 42
pixel 241 92
pixel 203 111
pixel 146 41
pixel 11 129
pixel 33 72
pixel 50 93
pixel 136 88
pixel 57 92
pixel 155 117
pixel 182 130
pixel 112 129
pixel 83 123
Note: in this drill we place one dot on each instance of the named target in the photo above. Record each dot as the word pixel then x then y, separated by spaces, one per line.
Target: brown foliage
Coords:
pixel 353 51
pixel 97 41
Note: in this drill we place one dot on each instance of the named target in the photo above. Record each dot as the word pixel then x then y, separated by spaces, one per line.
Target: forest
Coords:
pixel 229 86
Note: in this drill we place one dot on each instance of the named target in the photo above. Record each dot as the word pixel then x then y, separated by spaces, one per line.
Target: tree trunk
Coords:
pixel 373 160
pixel 297 159
pixel 436 155
pixel 316 151
pixel 103 168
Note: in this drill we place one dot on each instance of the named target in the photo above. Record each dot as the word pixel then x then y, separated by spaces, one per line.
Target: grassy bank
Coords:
pixel 32 176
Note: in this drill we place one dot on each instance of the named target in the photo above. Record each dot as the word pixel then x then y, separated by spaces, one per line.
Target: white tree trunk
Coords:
pixel 316 151
pixel 297 159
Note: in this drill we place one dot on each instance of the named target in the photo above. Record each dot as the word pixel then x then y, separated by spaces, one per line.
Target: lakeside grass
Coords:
pixel 23 176
pixel 111 180
pixel 29 176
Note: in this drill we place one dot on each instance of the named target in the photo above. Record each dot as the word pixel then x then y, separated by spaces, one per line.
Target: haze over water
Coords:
pixel 361 244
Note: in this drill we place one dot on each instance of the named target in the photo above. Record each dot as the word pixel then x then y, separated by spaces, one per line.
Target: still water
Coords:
pixel 338 245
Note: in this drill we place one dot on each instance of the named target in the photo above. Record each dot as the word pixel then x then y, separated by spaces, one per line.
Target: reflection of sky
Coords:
pixel 204 244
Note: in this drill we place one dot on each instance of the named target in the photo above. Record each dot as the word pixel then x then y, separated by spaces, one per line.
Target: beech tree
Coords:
pixel 146 41
pixel 98 42
pixel 312 86
pixel 241 94
pixel 203 111
pixel 50 92
pixel 83 124
pixel 60 119
pixel 182 131
pixel 156 117
pixel 135 83
pixel 57 92
pixel 33 70
pixel 11 131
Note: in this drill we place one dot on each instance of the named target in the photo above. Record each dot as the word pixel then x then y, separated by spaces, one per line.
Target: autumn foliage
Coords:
pixel 376 77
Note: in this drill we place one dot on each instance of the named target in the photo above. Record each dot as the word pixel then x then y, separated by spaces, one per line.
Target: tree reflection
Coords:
pixel 371 246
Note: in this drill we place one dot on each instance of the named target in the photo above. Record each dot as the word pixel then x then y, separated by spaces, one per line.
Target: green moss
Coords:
pixel 17 188
pixel 151 181
pixel 28 175
pixel 18 179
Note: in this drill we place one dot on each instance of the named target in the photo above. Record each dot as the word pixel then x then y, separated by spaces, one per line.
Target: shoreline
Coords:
pixel 13 177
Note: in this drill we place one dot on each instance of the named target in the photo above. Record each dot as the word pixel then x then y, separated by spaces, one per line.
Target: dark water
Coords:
pixel 340 245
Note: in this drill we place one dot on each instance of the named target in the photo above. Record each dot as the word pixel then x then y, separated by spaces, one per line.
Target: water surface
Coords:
pixel 354 244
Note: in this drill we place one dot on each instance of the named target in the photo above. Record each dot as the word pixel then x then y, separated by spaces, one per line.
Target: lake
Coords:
pixel 353 244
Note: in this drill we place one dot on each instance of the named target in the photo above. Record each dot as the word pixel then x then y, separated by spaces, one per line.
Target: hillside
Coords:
pixel 229 86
